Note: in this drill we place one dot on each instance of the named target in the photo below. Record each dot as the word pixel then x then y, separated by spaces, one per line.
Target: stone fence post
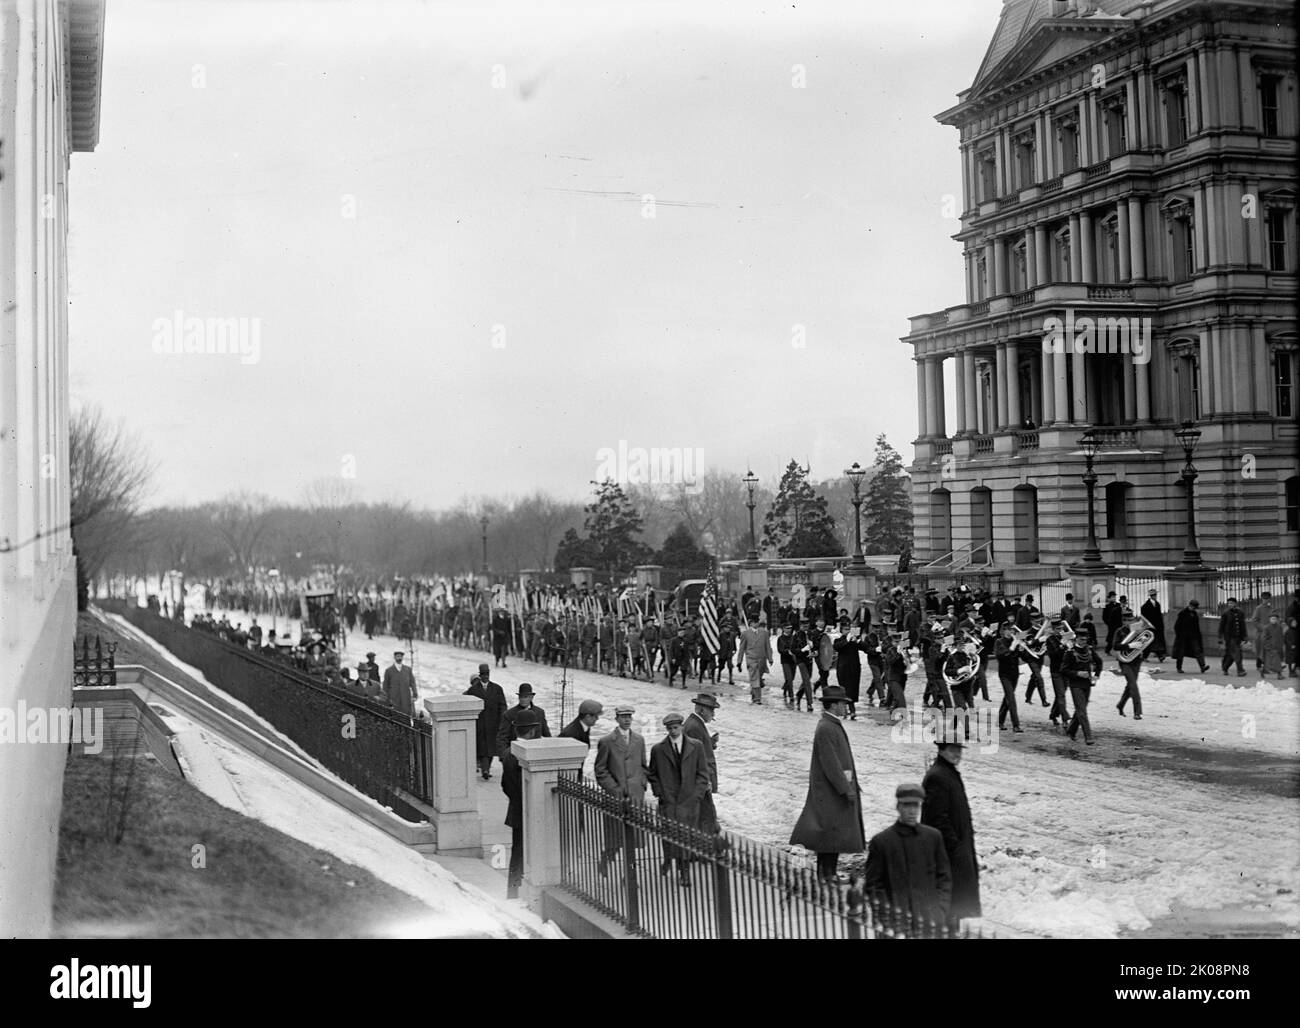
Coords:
pixel 541 761
pixel 453 772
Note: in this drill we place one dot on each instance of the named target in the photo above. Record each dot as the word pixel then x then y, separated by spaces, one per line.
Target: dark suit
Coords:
pixel 1152 612
pixel 399 688
pixel 506 733
pixel 947 809
pixel 679 782
pixel 696 729
pixel 907 868
pixel 489 721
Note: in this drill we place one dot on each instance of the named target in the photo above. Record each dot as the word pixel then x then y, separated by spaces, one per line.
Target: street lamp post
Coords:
pixel 1090 445
pixel 484 522
pixel 1188 436
pixel 751 480
pixel 856 474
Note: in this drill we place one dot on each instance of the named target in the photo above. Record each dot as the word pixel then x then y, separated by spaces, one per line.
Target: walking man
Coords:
pixel 527 725
pixel 907 864
pixel 399 686
pixel 1080 666
pixel 697 727
pixel 1007 652
pixel 679 778
pixel 621 772
pixel 947 810
pixel 831 822
pixel 1152 611
pixel 506 730
pixel 489 718
pixel 756 645
pixel 1232 633
pixel 1187 637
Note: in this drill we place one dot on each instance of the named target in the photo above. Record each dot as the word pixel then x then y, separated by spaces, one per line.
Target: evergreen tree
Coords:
pixel 679 551
pixel 574 552
pixel 887 510
pixel 798 523
pixel 612 523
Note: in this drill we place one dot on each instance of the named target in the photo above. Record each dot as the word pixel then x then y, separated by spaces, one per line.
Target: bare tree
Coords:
pixel 330 502
pixel 110 473
pixel 241 520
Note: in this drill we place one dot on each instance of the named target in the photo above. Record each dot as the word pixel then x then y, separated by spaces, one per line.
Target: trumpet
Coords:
pixel 1139 634
pixel 913 660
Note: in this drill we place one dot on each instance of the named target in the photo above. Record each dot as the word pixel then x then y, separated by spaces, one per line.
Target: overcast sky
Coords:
pixel 432 215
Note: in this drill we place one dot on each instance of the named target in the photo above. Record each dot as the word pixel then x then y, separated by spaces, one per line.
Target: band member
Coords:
pixel 848 665
pixel 785 653
pixel 802 647
pixel 959 669
pixel 1080 667
pixel 1035 665
pixel 877 666
pixel 1055 650
pixel 895 673
pixel 1008 654
pixel 1130 662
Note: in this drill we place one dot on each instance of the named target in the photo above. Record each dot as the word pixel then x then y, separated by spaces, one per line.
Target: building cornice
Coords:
pixel 84 26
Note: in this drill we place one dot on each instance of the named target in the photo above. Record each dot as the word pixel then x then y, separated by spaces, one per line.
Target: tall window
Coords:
pixel 1019 270
pixel 1284 376
pixel 1067 134
pixel 1293 504
pixel 1173 94
pixel 1182 239
pixel 1276 224
pixel 1270 89
pixel 1117 510
pixel 1187 386
pixel 988 171
pixel 1025 150
pixel 1109 269
pixel 1114 113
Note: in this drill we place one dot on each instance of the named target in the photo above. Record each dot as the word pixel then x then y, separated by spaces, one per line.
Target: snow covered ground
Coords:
pixel 1194 807
pixel 245 783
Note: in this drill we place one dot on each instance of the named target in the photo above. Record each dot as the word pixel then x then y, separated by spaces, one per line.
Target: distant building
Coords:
pixel 50 57
pixel 1133 164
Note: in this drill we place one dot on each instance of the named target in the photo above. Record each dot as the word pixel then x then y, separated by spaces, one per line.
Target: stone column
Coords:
pixel 960 379
pixel 1036 391
pixel 1126 377
pixel 1131 115
pixel 1137 238
pixel 937 405
pixel 1031 260
pixel 1000 389
pixel 1123 244
pixel 1198 228
pixel 990 268
pixel 1042 256
pixel 999 268
pixel 1209 376
pixel 1061 387
pixel 1076 262
pixel 922 417
pixel 1046 387
pixel 1014 417
pixel 1142 389
pixel 1255 230
pixel 972 394
pixel 541 761
pixel 1079 414
pixel 1263 400
pixel 1194 120
pixel 454 771
pixel 1088 265
pixel 583 578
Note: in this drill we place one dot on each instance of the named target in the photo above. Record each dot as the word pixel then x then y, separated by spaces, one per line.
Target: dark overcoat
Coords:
pixel 947 809
pixel 848 665
pixel 699 731
pixel 908 866
pixel 489 718
pixel 512 784
pixel 506 733
pixel 398 685
pixel 679 784
pixel 831 821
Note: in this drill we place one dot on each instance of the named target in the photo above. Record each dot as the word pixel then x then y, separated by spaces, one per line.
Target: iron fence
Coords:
pixel 381 753
pixel 662 879
pixel 1247 583
pixel 94 669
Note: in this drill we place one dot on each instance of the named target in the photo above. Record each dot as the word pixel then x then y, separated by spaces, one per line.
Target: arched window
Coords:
pixel 1117 504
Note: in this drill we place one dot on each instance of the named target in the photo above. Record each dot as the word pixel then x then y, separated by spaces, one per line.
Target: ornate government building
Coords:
pixel 1130 161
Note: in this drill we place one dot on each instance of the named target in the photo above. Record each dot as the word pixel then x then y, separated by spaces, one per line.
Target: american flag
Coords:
pixel 709 610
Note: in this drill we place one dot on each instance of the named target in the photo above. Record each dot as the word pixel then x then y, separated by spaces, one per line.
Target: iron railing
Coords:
pixel 93 669
pixel 627 861
pixel 386 755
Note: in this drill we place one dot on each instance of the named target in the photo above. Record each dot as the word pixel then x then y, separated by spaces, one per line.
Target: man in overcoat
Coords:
pixel 579 728
pixel 697 727
pixel 1187 637
pixel 679 778
pixel 506 730
pixel 947 809
pixel 907 864
pixel 399 686
pixel 512 784
pixel 831 822
pixel 1153 612
pixel 621 772
pixel 489 718
pixel 848 664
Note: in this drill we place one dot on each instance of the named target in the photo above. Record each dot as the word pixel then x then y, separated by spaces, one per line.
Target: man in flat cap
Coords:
pixel 947 809
pixel 621 772
pixel 579 728
pixel 679 777
pixel 399 686
pixel 506 733
pixel 831 822
pixel 697 727
pixel 907 865
pixel 527 725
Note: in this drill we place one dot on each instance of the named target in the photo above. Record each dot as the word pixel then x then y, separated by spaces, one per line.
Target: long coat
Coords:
pixel 831 821
pixel 908 866
pixel 756 644
pixel 489 718
pixel 1187 634
pixel 696 729
pixel 399 686
pixel 848 665
pixel 512 784
pixel 947 809
pixel 620 766
pixel 679 785
pixel 1152 612
pixel 506 730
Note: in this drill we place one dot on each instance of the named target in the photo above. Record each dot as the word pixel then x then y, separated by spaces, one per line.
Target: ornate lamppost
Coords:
pixel 1188 435
pixel 484 522
pixel 856 474
pixel 751 480
pixel 1091 560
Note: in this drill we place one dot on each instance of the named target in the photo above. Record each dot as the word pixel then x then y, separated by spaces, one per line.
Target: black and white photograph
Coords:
pixel 541 470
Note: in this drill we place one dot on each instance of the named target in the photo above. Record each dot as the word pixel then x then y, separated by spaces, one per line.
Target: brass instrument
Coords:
pixel 1139 634
pixel 1035 646
pixel 967 670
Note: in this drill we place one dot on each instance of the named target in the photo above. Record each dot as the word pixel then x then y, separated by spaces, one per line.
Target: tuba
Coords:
pixel 1139 634
pixel 965 670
